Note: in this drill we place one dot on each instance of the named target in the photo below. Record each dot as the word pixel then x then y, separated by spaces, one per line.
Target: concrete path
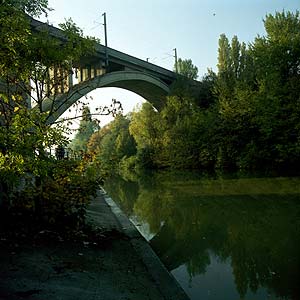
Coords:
pixel 122 268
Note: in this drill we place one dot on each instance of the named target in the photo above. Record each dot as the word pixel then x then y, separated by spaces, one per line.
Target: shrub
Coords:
pixel 59 201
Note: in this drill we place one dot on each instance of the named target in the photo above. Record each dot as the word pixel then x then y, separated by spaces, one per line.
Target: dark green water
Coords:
pixel 220 238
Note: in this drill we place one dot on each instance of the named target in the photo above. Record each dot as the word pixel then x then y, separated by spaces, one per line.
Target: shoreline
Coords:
pixel 122 266
pixel 165 281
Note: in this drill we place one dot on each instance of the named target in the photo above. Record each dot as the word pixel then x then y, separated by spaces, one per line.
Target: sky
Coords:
pixel 153 28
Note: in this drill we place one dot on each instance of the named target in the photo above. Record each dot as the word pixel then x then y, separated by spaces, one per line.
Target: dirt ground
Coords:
pixel 74 271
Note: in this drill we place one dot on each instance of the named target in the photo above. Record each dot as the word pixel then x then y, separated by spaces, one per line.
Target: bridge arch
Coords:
pixel 150 88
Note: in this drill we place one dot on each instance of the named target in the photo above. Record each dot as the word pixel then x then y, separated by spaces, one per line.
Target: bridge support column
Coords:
pixel 70 78
pixel 70 75
pixel 89 72
pixel 84 75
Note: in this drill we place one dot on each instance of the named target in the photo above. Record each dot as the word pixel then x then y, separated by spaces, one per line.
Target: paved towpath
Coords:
pixel 122 268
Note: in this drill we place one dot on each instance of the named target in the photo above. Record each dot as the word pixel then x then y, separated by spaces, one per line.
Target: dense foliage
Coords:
pixel 186 68
pixel 258 94
pixel 87 127
pixel 112 146
pixel 58 203
pixel 244 117
pixel 31 181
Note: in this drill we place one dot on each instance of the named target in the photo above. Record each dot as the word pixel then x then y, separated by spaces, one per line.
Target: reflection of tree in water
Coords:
pixel 124 192
pixel 198 263
pixel 264 245
pixel 148 207
pixel 261 234
pixel 262 240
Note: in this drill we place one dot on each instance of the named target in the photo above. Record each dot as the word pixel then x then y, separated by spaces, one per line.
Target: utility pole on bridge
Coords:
pixel 176 67
pixel 105 35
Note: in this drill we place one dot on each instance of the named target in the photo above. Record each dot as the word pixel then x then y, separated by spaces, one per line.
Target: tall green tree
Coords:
pixel 258 91
pixel 146 131
pixel 112 144
pixel 227 61
pixel 276 63
pixel 186 68
pixel 87 127
pixel 235 54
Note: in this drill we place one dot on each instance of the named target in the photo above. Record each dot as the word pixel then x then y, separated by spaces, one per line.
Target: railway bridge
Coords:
pixel 107 67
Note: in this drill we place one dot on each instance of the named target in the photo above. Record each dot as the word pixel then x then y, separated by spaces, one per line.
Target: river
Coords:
pixel 221 238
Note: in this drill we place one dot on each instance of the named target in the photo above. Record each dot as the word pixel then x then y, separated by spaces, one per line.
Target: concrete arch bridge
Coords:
pixel 107 67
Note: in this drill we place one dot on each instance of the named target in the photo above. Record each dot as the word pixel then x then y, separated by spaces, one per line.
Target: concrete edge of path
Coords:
pixel 164 280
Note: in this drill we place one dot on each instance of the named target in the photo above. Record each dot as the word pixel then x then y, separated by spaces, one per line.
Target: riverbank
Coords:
pixel 121 266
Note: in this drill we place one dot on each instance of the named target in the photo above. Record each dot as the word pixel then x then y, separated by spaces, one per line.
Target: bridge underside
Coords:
pixel 150 88
pixel 153 91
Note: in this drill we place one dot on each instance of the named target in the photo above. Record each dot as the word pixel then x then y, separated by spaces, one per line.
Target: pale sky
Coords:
pixel 152 29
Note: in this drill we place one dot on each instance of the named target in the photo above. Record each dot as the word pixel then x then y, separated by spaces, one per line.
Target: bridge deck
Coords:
pixel 118 60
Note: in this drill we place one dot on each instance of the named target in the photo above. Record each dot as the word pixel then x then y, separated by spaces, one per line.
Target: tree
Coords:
pixel 186 68
pixel 257 88
pixel 27 58
pixel 32 7
pixel 225 78
pixel 112 143
pixel 145 129
pixel 235 54
pixel 204 97
pixel 276 63
pixel 87 127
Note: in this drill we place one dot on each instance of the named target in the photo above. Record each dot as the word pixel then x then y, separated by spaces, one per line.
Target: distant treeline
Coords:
pixel 244 117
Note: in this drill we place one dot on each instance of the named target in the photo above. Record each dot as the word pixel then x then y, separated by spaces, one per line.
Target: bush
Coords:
pixel 59 201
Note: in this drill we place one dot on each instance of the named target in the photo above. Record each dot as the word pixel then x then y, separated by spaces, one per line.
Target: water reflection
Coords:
pixel 241 237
